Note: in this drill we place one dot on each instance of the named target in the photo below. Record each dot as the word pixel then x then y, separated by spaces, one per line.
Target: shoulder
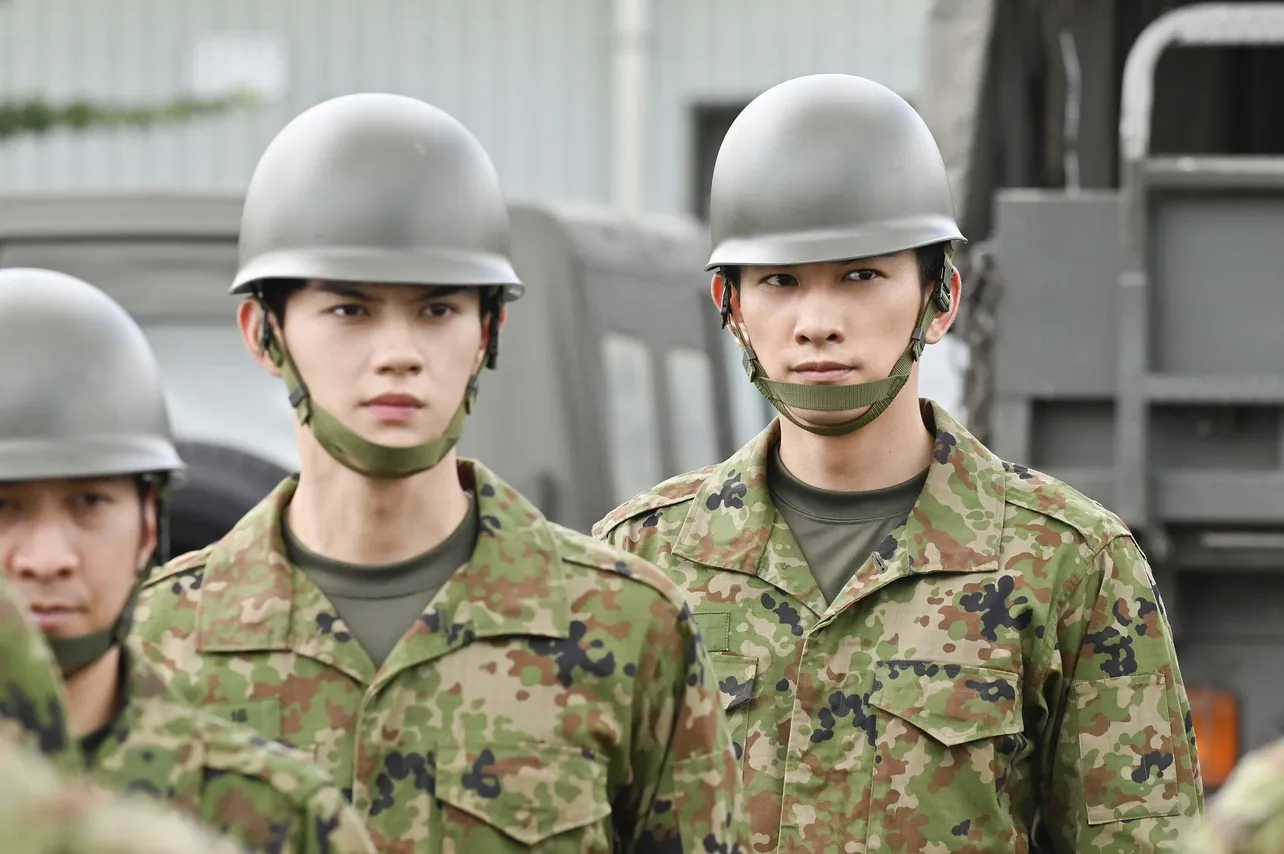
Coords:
pixel 1039 499
pixel 191 564
pixel 676 490
pixel 1248 812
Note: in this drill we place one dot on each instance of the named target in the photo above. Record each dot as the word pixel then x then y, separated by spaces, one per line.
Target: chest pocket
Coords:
pixel 947 736
pixel 736 675
pixel 523 797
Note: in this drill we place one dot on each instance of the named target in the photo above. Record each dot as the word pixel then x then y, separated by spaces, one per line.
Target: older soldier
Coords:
pixel 85 456
pixel 33 706
pixel 920 646
pixel 44 813
pixel 482 678
pixel 1247 814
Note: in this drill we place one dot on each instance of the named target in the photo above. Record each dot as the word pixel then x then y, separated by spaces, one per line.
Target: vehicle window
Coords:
pixel 633 435
pixel 691 407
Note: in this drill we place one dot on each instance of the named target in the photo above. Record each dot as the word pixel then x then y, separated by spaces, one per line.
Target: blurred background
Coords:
pixel 1117 166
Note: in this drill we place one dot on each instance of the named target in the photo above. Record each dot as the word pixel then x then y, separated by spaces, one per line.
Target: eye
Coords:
pixel 348 309
pixel 439 309
pixel 861 275
pixel 90 500
pixel 780 280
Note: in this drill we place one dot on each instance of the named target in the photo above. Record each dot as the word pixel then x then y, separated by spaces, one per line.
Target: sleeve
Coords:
pixel 1119 764
pixel 687 793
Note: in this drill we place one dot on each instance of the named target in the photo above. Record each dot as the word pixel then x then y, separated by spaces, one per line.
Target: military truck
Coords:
pixel 1119 167
pixel 613 373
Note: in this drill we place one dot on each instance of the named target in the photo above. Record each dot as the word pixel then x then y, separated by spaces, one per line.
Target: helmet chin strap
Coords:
pixel 382 462
pixel 877 395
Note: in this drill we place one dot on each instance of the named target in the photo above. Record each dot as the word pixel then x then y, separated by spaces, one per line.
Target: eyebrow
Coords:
pixel 355 292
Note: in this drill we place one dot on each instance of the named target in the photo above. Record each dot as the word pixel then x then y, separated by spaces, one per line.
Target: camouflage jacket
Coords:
pixel 1247 814
pixel 33 707
pixel 42 812
pixel 264 795
pixel 998 676
pixel 554 693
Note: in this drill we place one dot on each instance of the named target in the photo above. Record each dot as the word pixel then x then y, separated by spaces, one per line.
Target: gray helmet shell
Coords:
pixel 824 168
pixel 378 188
pixel 82 393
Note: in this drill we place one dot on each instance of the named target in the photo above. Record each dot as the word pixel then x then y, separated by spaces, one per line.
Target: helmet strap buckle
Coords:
pixel 918 341
pixel 725 308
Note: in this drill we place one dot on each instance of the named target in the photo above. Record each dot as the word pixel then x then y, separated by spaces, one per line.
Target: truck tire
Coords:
pixel 223 484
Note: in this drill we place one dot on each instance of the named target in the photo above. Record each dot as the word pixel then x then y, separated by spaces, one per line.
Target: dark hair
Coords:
pixel 276 292
pixel 930 258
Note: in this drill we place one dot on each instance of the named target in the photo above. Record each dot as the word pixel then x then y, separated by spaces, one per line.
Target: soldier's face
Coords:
pixel 75 547
pixel 391 362
pixel 833 323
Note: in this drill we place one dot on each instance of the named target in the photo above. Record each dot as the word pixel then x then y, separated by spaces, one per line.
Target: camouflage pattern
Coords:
pixel 33 706
pixel 553 695
pixel 1002 657
pixel 44 813
pixel 262 794
pixel 1247 815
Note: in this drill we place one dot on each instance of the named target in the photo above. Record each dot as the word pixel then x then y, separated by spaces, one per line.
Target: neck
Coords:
pixel 891 449
pixel 348 517
pixel 91 694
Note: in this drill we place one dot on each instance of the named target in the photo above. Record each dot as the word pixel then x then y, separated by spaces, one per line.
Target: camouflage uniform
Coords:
pixel 62 420
pixel 1002 658
pixel 1247 815
pixel 41 813
pixel 33 708
pixel 251 789
pixel 553 694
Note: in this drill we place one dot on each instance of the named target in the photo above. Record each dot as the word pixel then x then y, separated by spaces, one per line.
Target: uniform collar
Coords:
pixel 254 600
pixel 955 525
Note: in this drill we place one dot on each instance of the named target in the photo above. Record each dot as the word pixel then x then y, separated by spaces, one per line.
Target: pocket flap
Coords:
pixel 953 703
pixel 526 791
pixel 735 675
pixel 263 715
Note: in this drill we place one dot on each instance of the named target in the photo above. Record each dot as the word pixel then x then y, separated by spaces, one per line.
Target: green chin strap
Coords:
pixel 384 462
pixel 877 395
pixel 75 654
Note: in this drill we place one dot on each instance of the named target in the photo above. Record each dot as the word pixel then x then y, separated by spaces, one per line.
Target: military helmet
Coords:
pixel 82 394
pixel 380 188
pixel 825 168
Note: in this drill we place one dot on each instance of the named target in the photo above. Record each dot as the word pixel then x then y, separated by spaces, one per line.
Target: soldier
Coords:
pixel 482 678
pixel 43 813
pixel 85 460
pixel 920 647
pixel 1247 814
pixel 33 706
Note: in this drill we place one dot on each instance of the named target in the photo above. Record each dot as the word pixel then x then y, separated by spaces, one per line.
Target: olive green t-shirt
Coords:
pixel 839 531
pixel 380 603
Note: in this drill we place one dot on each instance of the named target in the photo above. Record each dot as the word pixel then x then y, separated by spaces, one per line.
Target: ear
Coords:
pixel 148 537
pixel 249 317
pixel 936 331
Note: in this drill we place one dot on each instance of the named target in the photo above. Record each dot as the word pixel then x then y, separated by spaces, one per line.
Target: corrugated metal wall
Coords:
pixel 532 78
pixel 525 75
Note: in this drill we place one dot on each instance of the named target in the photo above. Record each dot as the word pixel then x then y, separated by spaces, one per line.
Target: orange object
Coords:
pixel 1216 718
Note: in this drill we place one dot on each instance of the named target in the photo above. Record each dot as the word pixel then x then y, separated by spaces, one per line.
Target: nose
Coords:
pixel 397 353
pixel 817 321
pixel 45 554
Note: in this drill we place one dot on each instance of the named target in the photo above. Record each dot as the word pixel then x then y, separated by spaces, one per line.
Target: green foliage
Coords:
pixel 35 117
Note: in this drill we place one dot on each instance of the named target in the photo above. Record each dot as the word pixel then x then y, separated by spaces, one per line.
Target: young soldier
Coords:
pixel 482 678
pixel 85 455
pixel 920 647
pixel 33 706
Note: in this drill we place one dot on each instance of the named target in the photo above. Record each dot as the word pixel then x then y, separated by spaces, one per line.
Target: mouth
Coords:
pixel 821 372
pixel 394 407
pixel 49 617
